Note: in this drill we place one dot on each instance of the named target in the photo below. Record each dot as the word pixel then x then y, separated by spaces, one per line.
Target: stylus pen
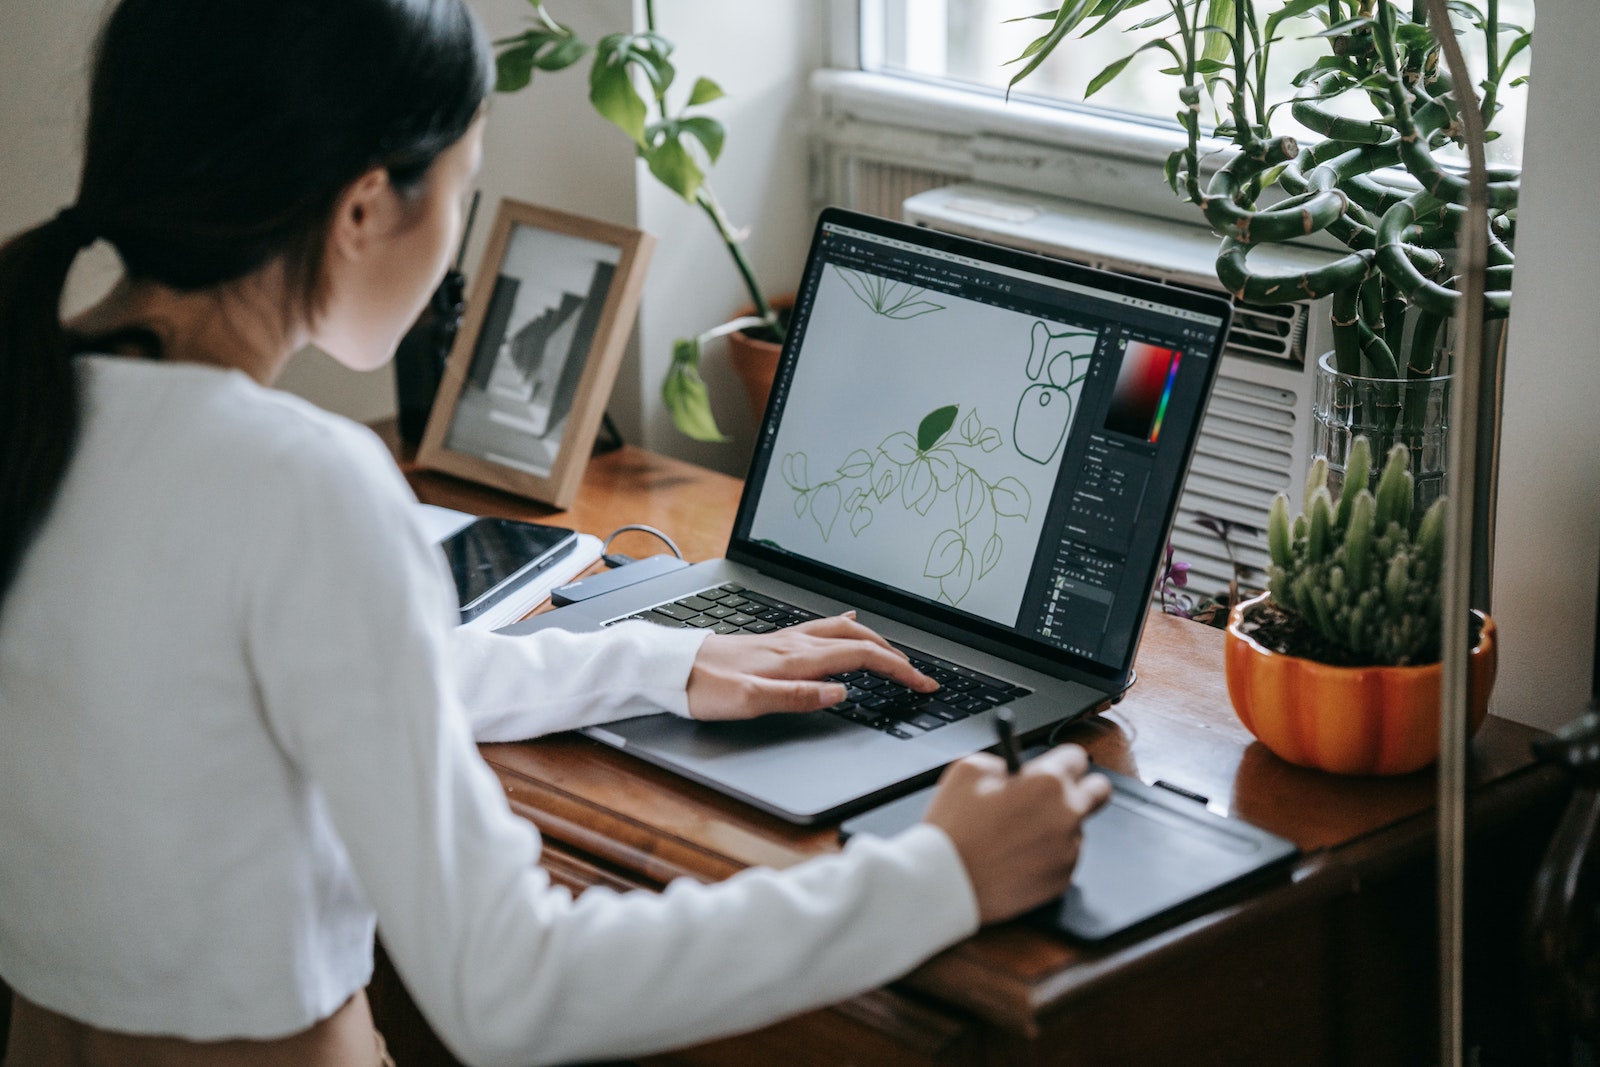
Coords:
pixel 1006 727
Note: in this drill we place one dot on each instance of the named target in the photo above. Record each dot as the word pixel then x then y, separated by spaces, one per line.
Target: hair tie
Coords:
pixel 75 223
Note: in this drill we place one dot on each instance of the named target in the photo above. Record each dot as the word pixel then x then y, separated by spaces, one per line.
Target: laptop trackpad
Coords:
pixel 775 761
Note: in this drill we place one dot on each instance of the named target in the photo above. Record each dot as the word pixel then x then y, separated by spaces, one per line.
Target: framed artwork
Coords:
pixel 533 364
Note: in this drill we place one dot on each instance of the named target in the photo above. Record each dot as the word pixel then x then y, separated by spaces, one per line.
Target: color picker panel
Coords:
pixel 1144 386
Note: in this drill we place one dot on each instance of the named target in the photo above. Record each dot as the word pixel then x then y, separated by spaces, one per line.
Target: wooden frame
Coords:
pixel 534 361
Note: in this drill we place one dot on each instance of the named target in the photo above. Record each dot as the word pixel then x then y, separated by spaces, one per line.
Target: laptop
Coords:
pixel 977 449
pixel 1149 857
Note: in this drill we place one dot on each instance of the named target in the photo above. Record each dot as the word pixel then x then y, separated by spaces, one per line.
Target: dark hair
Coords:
pixel 220 136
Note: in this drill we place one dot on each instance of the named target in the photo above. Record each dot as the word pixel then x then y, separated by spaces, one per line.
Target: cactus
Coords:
pixel 1353 572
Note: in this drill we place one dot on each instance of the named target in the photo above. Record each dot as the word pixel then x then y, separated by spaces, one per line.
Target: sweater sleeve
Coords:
pixel 349 631
pixel 519 687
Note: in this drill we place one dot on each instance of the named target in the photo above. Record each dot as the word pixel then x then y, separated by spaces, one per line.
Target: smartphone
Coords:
pixel 492 558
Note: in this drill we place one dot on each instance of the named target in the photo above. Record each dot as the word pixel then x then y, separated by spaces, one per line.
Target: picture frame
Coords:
pixel 532 366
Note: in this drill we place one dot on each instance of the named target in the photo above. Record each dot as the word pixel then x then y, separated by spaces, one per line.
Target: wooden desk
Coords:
pixel 1334 965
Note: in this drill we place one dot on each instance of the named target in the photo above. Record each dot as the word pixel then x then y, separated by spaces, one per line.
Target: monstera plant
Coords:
pixel 678 144
pixel 1383 109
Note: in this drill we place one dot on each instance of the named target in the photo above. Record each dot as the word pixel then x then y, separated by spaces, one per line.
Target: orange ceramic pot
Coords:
pixel 756 361
pixel 1349 720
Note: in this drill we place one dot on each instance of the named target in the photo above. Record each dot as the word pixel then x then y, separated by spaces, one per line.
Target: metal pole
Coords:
pixel 1472 256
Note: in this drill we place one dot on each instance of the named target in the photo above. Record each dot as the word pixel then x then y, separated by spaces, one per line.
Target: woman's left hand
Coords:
pixel 740 676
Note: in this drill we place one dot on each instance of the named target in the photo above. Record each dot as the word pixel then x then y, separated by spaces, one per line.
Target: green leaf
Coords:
pixel 612 93
pixel 825 508
pixel 1067 18
pixel 1513 49
pixel 970 495
pixel 673 167
pixel 945 554
pixel 885 476
pixel 989 440
pixel 918 490
pixel 1108 10
pixel 1219 40
pixel 705 90
pixel 1101 80
pixel 943 463
pixel 1170 171
pixel 860 519
pixel 1046 16
pixel 1339 29
pixel 954 586
pixel 934 426
pixel 793 470
pixel 513 68
pixel 1321 66
pixel 991 555
pixel 1414 36
pixel 648 52
pixel 1292 9
pixel 684 393
pixel 857 464
pixel 1011 498
pixel 565 53
pixel 1147 23
pixel 900 447
pixel 708 131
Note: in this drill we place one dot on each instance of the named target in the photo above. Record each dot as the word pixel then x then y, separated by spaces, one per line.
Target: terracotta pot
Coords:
pixel 1349 720
pixel 756 361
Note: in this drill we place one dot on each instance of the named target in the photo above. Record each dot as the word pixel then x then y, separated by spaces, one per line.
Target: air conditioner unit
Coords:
pixel 1256 435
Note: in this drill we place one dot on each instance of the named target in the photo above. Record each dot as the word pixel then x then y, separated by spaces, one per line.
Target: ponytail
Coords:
pixel 38 389
pixel 219 138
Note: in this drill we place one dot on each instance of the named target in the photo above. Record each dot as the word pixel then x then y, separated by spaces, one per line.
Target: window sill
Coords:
pixel 1061 151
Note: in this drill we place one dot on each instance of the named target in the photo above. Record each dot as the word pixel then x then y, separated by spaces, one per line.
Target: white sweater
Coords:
pixel 236 730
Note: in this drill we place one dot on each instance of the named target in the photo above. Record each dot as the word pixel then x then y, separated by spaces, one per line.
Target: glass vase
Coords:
pixel 1414 412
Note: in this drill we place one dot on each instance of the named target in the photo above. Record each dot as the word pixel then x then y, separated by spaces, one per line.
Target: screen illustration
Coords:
pixel 914 449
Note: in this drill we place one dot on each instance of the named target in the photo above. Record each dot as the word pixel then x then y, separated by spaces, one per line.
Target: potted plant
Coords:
pixel 1336 666
pixel 678 146
pixel 1380 99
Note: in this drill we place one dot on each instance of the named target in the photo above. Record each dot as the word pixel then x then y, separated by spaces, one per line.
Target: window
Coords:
pixel 968 43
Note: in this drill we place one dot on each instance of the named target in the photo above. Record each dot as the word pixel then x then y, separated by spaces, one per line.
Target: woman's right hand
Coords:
pixel 1018 835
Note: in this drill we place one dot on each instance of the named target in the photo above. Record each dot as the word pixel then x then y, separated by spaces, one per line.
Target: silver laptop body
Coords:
pixel 978 450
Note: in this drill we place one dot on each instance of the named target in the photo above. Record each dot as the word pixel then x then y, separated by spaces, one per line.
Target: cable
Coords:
pixel 1091 720
pixel 617 559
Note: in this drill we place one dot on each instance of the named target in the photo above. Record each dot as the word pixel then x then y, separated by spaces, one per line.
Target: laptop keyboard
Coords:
pixel 871 700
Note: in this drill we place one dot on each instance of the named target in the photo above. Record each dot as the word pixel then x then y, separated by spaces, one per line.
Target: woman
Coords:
pixel 222 639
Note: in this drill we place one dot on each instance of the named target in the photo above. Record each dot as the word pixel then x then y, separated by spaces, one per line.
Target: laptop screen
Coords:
pixel 981 438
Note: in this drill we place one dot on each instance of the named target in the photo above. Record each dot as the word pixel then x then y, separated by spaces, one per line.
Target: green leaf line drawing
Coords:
pixel 918 470
pixel 1044 411
pixel 891 299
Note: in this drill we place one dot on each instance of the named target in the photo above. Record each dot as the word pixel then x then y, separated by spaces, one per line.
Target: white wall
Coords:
pixel 1548 543
pixel 761 54
pixel 545 145
pixel 44 63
